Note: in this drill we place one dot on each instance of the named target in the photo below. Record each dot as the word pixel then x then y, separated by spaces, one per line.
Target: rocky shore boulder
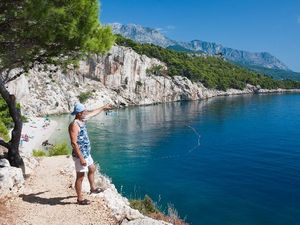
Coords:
pixel 11 178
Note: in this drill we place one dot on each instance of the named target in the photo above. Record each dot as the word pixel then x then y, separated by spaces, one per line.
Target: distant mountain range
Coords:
pixel 262 62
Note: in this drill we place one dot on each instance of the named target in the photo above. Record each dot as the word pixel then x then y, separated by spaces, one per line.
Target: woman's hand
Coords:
pixel 82 161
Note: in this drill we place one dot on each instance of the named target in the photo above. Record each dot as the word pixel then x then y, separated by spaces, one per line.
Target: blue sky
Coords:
pixel 253 25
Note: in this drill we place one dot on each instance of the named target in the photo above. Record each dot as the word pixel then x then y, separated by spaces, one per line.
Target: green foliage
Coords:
pixel 50 31
pixel 23 118
pixel 157 70
pixel 277 74
pixel 146 206
pixel 39 153
pixel 84 96
pixel 213 72
pixel 46 32
pixel 179 48
pixel 4 114
pixel 5 120
pixel 59 149
pixel 3 131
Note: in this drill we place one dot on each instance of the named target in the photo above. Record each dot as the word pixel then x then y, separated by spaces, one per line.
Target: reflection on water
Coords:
pixel 145 118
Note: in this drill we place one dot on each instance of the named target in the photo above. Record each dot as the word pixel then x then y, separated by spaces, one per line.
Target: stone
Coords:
pixel 4 163
pixel 11 178
pixel 30 163
pixel 145 221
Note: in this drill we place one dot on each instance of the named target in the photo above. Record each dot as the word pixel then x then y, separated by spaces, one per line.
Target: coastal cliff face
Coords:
pixel 121 77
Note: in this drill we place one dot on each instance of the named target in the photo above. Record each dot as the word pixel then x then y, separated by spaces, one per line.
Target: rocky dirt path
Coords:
pixel 49 199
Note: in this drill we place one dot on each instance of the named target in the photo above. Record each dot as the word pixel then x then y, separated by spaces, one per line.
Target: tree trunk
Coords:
pixel 14 157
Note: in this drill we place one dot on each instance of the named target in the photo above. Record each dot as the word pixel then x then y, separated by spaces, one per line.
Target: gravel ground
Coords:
pixel 49 199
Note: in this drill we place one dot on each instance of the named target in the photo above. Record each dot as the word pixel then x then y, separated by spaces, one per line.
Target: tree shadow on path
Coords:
pixel 34 198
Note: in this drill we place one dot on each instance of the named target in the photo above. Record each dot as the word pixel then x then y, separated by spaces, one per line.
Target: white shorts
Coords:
pixel 80 168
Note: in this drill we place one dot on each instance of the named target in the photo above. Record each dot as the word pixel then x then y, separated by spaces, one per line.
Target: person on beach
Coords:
pixel 82 149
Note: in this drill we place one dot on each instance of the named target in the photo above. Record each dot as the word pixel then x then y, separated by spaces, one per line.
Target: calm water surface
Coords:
pixel 223 161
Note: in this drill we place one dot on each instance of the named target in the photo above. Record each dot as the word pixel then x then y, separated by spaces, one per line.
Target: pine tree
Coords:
pixel 41 32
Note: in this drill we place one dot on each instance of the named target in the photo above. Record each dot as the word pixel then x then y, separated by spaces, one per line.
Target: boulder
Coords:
pixel 11 178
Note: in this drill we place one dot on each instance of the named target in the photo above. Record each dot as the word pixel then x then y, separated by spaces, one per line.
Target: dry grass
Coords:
pixel 148 208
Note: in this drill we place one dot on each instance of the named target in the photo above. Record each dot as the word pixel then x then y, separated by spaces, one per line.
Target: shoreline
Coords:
pixel 117 204
pixel 38 129
pixel 211 93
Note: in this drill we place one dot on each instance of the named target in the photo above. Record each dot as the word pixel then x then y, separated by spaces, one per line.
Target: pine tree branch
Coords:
pixel 15 76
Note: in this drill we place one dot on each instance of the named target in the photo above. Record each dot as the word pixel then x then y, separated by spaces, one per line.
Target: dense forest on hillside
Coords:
pixel 213 72
pixel 274 73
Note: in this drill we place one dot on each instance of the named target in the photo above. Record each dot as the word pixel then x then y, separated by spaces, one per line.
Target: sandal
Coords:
pixel 83 202
pixel 96 191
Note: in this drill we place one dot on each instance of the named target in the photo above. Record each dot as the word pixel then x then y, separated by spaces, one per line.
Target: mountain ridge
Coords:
pixel 149 35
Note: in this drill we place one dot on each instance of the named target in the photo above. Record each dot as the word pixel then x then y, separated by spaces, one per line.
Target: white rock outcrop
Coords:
pixel 144 221
pixel 120 77
pixel 11 178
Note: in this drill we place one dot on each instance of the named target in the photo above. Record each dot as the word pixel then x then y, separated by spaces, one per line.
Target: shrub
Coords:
pixel 59 149
pixel 5 117
pixel 38 153
pixel 3 131
pixel 145 206
pixel 24 119
pixel 157 70
pixel 84 96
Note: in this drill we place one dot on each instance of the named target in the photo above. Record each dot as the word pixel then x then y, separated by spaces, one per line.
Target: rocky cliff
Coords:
pixel 121 77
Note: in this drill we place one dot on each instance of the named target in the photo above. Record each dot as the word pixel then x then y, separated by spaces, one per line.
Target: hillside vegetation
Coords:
pixel 274 73
pixel 213 72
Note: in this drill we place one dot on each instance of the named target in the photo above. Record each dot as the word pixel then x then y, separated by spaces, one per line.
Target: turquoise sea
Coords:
pixel 222 161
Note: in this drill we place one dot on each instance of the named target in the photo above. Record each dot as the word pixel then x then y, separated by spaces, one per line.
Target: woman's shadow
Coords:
pixel 34 198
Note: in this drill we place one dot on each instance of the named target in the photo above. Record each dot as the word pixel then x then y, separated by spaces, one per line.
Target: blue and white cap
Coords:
pixel 78 108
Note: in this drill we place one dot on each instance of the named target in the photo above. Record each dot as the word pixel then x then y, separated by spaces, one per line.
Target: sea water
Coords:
pixel 222 161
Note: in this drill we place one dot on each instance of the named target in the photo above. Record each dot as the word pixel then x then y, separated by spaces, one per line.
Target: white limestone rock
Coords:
pixel 11 178
pixel 145 221
pixel 30 163
pixel 121 78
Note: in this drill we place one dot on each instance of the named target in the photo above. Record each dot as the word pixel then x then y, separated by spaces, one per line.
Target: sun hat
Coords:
pixel 78 107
